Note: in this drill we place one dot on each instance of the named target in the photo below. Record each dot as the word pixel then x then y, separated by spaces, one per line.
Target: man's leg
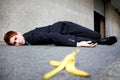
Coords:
pixel 81 33
pixel 78 30
pixel 79 38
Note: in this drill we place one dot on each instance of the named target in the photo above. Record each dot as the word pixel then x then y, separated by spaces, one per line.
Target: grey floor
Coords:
pixel 32 62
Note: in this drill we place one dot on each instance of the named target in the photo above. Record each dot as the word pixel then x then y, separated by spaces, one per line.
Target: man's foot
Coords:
pixel 109 40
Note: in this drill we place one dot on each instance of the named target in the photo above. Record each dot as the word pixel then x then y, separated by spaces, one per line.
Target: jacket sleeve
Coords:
pixel 38 38
pixel 62 40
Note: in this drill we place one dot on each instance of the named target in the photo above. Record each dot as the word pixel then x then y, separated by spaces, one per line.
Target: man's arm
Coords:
pixel 61 40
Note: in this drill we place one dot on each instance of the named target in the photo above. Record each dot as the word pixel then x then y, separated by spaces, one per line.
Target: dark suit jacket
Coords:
pixel 57 34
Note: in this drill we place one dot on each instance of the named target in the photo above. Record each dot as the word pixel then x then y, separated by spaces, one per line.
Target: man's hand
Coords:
pixel 86 44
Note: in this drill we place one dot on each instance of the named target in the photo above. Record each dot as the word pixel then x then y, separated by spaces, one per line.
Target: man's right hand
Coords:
pixel 86 44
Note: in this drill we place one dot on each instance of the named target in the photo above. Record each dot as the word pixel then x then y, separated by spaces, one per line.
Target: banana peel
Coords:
pixel 67 63
pixel 70 67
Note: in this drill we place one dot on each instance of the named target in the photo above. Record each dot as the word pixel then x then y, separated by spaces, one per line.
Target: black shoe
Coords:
pixel 109 40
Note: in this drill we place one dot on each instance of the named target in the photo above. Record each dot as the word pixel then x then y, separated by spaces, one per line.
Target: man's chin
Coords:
pixel 21 44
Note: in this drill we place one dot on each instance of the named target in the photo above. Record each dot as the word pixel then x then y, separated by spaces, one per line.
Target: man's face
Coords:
pixel 17 40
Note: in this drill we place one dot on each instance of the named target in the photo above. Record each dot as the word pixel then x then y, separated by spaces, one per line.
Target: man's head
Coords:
pixel 14 38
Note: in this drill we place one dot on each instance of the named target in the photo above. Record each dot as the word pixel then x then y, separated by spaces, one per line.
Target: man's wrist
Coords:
pixel 78 44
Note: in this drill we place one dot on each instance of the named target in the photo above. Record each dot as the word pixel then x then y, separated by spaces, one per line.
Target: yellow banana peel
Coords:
pixel 67 63
pixel 70 67
pixel 55 63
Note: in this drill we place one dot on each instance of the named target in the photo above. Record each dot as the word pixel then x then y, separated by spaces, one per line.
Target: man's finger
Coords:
pixel 89 41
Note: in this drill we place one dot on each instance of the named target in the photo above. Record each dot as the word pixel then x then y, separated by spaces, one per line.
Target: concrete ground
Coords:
pixel 32 62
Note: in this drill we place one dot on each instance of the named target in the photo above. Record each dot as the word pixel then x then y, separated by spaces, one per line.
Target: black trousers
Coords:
pixel 75 31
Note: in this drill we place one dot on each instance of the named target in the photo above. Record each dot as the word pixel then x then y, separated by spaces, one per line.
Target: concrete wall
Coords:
pixel 99 7
pixel 24 15
pixel 112 21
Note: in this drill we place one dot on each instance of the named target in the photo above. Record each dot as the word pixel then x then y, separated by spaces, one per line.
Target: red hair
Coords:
pixel 8 35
